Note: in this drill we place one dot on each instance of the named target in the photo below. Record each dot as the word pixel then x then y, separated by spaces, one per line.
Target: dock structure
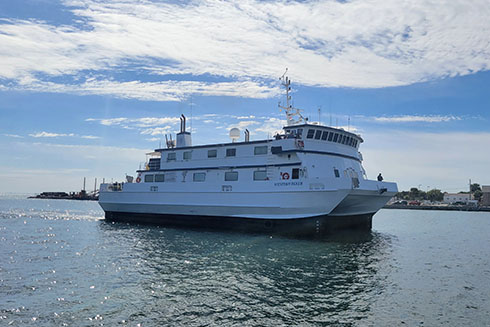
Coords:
pixel 82 195
pixel 485 199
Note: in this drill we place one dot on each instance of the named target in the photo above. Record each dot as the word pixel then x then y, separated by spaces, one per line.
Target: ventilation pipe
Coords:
pixel 183 123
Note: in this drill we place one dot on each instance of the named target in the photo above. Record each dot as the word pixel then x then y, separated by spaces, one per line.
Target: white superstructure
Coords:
pixel 308 178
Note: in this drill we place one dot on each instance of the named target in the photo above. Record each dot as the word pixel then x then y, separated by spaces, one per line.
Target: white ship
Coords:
pixel 307 180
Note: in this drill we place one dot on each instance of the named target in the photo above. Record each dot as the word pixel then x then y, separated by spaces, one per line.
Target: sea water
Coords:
pixel 61 264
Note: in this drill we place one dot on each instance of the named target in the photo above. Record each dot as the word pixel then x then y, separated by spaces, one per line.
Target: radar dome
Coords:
pixel 234 134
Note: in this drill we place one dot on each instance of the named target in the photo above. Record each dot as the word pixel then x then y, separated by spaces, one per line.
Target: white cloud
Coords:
pixel 153 91
pixel 52 135
pixel 416 119
pixel 13 136
pixel 271 126
pixel 156 131
pixel 48 134
pixel 371 43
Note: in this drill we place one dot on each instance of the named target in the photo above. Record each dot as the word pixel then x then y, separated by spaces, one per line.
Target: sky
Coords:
pixel 87 87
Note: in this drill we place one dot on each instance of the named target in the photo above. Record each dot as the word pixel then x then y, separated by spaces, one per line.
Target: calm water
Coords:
pixel 61 265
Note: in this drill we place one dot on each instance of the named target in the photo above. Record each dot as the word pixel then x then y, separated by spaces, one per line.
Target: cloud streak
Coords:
pixel 364 44
pixel 416 119
pixel 54 135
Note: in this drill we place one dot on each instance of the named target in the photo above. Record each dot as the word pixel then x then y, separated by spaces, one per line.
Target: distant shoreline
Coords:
pixel 435 207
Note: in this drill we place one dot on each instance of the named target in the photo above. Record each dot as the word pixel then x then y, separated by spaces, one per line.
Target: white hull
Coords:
pixel 308 183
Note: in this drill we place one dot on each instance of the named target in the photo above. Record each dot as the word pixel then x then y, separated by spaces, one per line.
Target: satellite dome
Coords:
pixel 234 134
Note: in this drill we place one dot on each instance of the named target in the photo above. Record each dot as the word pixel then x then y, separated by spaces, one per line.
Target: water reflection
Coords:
pixel 208 277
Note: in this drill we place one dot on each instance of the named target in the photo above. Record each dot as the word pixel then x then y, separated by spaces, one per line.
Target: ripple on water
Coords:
pixel 62 268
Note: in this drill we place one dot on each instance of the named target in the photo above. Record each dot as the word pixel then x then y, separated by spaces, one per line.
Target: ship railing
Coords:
pixel 115 187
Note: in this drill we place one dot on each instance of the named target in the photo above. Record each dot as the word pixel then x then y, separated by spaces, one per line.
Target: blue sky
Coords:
pixel 88 87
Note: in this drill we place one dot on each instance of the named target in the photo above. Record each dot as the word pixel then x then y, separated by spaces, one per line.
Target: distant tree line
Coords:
pixel 435 195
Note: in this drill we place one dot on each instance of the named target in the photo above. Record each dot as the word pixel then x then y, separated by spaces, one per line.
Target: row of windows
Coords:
pixel 332 137
pixel 187 155
pixel 230 176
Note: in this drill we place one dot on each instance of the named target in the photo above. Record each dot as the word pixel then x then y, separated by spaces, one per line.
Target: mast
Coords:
pixel 291 112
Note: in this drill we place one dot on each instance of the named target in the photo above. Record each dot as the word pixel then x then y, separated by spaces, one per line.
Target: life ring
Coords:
pixel 138 179
pixel 285 175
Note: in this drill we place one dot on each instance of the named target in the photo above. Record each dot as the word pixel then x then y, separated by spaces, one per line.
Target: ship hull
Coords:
pixel 311 226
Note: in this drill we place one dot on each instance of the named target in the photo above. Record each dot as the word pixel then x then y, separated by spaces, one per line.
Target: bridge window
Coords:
pixel 310 134
pixel 231 152
pixel 148 178
pixel 159 178
pixel 212 153
pixel 199 177
pixel 260 175
pixel 330 136
pixel 171 156
pixel 258 150
pixel 231 176
pixel 318 134
pixel 187 155
pixel 324 135
pixel 335 137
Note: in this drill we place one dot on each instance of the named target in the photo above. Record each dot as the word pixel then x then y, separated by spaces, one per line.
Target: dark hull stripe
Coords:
pixel 324 152
pixel 320 225
pixel 224 167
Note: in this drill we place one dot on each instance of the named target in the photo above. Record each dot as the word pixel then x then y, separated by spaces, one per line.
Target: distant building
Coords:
pixel 485 199
pixel 456 197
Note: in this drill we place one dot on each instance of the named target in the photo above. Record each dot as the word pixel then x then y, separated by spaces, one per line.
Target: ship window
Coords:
pixel 148 178
pixel 318 134
pixel 300 132
pixel 260 175
pixel 171 156
pixel 344 138
pixel 355 143
pixel 324 135
pixel 311 132
pixel 231 176
pixel 212 153
pixel 330 136
pixel 335 137
pixel 170 177
pixel 347 142
pixel 336 172
pixel 187 155
pixel 159 178
pixel 230 152
pixel 295 173
pixel 260 150
pixel 199 177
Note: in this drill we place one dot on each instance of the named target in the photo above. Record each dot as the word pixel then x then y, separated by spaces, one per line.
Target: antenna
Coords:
pixel 348 124
pixel 319 114
pixel 291 112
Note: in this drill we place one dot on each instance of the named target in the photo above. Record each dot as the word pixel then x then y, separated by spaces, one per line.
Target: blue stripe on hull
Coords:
pixel 320 225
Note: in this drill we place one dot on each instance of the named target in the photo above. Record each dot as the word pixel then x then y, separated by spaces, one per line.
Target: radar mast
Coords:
pixel 293 114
